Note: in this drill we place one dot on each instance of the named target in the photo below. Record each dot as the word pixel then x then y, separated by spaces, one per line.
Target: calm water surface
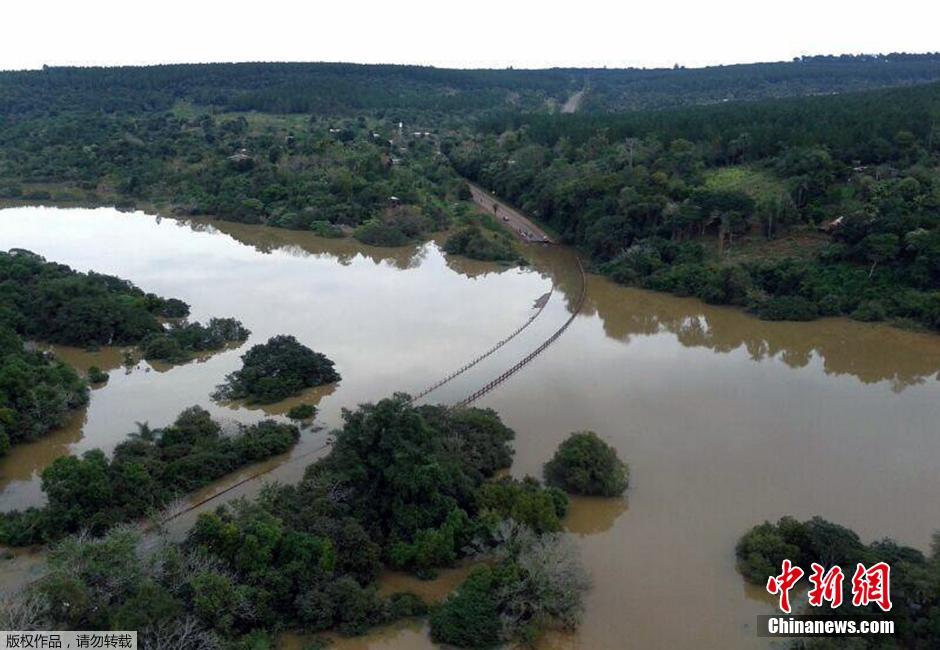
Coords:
pixel 724 419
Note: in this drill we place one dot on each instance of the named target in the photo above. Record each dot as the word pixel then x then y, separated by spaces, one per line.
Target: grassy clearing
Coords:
pixel 800 243
pixel 756 183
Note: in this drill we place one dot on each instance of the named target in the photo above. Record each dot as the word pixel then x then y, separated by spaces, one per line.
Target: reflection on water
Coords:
pixel 725 420
pixel 431 591
pixel 868 352
pixel 298 243
pixel 592 515
pixel 311 396
pixel 107 358
pixel 20 469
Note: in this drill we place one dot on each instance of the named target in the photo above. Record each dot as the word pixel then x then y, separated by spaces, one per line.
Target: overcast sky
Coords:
pixel 479 33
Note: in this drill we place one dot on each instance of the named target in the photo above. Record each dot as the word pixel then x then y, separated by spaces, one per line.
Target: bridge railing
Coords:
pixel 537 351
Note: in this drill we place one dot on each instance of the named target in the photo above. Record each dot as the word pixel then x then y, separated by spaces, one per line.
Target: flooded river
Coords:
pixel 725 420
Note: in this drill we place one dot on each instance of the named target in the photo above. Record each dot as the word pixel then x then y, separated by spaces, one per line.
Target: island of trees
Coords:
pixel 180 341
pixel 584 464
pixel 42 301
pixel 275 370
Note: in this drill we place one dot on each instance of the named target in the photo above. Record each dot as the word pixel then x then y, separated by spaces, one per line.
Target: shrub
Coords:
pixel 787 308
pixel 378 233
pixel 526 502
pixel 96 375
pixel 163 347
pixel 326 229
pixel 870 311
pixel 585 464
pixel 174 308
pixel 404 605
pixel 537 583
pixel 178 343
pixel 469 618
pixel 434 547
pixel 761 550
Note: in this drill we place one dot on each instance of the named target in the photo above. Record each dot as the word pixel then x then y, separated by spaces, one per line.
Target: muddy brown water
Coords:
pixel 725 420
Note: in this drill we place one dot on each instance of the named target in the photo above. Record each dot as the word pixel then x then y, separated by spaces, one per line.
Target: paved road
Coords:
pixel 521 226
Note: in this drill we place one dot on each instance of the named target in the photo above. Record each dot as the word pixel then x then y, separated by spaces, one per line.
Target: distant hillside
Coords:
pixel 347 88
pixel 818 75
pixel 853 126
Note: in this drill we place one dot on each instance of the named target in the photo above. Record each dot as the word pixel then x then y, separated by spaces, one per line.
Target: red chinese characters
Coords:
pixel 827 586
pixel 872 585
pixel 783 583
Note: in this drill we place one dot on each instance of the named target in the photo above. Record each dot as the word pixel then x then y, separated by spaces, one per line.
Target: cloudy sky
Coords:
pixel 481 33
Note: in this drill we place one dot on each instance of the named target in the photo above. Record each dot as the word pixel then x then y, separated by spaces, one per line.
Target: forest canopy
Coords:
pixel 352 88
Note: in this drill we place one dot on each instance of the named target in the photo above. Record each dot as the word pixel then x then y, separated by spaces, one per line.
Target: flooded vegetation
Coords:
pixel 724 420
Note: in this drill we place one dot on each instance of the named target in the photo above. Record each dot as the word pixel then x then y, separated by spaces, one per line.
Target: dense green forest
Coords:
pixel 147 471
pixel 402 486
pixel 318 146
pixel 291 172
pixel 407 91
pixel 915 577
pixel 795 208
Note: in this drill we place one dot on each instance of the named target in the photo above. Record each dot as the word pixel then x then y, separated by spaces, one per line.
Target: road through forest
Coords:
pixel 520 225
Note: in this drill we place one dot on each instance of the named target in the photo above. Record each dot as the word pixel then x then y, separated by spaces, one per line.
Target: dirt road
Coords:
pixel 520 225
pixel 573 103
